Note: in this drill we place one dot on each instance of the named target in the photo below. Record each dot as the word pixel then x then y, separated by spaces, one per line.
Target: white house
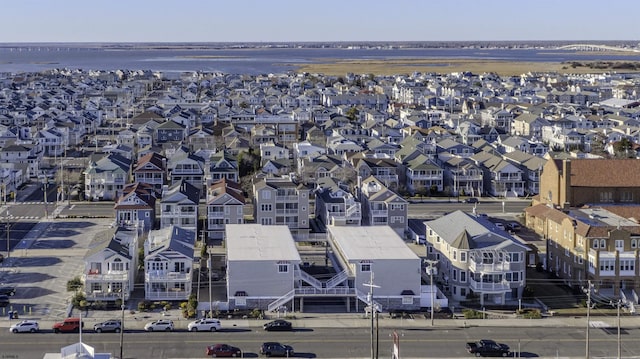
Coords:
pixel 168 260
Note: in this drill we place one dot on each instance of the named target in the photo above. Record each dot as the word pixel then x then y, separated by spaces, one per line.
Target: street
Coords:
pixel 415 342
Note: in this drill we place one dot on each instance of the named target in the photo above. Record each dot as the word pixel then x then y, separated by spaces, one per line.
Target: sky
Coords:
pixel 318 20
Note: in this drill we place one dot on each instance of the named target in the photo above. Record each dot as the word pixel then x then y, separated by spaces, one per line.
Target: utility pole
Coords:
pixel 122 306
pixel 209 268
pixel 618 303
pixel 372 311
pixel 431 269
pixel 588 291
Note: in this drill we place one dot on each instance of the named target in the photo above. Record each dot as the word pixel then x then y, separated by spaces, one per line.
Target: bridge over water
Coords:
pixel 594 47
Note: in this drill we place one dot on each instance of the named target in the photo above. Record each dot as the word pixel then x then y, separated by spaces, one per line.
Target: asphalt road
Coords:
pixel 435 209
pixel 334 342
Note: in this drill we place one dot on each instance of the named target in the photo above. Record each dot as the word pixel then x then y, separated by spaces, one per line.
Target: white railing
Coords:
pixel 502 286
pixel 109 276
pixel 489 267
pixel 307 277
pixel 273 306
pixel 167 295
pixel 364 297
pixel 324 291
pixel 337 279
pixel 168 276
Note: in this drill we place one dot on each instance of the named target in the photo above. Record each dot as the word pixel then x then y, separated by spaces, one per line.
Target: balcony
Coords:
pixel 284 198
pixel 215 214
pixel 488 268
pixel 110 276
pixel 379 212
pixel 489 287
pixel 287 211
pixel 172 294
pixel 98 295
pixel 163 276
pixel 424 177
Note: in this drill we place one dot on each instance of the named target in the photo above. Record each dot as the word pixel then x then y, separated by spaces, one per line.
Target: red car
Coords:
pixel 223 350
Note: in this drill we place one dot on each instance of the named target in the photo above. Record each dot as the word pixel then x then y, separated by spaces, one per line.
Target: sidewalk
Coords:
pixel 137 320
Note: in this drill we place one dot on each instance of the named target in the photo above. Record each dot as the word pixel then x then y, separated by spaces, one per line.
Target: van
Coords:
pixel 68 325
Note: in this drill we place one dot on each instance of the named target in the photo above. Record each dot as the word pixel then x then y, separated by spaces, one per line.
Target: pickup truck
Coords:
pixel 488 348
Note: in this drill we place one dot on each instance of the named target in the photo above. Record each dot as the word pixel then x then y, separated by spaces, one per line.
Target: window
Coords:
pixel 283 267
pixel 515 276
pixel 455 274
pixel 266 194
pixel 595 243
pixel 619 245
pixel 603 243
pixel 455 255
pixel 634 243
pixel 407 300
pixel 365 267
pixel 117 265
pixel 266 207
pixel 606 196
pixel 463 276
pixel 626 196
pixel 463 256
pixel 463 292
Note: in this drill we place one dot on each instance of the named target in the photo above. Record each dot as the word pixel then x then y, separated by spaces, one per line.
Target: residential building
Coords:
pixel 136 208
pixel 476 260
pixel 151 169
pixel 111 265
pixel 590 244
pixel 576 182
pixel 179 206
pixel 381 206
pixel 336 206
pixel 282 201
pixel 168 262
pixel 106 176
pixel 225 205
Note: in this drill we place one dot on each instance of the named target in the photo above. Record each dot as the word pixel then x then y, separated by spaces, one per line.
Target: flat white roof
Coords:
pixel 255 242
pixel 370 242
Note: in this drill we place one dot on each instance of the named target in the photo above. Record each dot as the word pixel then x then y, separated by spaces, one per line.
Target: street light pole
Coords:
pixel 431 268
pixel 618 303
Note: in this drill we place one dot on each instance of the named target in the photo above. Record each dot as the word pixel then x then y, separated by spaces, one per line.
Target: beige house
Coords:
pixel 282 201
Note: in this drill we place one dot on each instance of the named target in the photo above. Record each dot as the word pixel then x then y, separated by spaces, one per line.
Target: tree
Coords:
pixel 75 284
pixel 352 114
pixel 622 147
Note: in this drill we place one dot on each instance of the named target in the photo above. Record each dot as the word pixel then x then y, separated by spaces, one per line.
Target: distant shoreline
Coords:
pixel 407 66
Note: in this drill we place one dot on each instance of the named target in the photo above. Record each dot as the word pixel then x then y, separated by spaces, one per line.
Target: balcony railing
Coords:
pixel 489 267
pixel 167 295
pixel 105 296
pixel 112 276
pixel 494 287
pixel 158 276
pixel 284 198
pixel 379 212
pixel 287 211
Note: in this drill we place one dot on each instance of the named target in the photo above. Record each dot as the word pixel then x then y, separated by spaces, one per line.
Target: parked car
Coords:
pixel 500 225
pixel 68 325
pixel 471 200
pixel 514 226
pixel 278 325
pixel 488 348
pixel 6 290
pixel 112 325
pixel 210 325
pixel 25 326
pixel 223 350
pixel 159 325
pixel 274 349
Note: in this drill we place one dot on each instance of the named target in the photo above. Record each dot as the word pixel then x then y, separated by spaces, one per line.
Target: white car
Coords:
pixel 25 326
pixel 500 225
pixel 159 326
pixel 204 325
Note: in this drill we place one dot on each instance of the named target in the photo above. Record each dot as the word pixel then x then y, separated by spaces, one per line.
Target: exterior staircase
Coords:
pixel 337 279
pixel 273 306
pixel 364 297
pixel 300 274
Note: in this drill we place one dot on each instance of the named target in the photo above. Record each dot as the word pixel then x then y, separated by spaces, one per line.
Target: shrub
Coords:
pixel 532 314
pixel 471 314
pixel 78 299
pixel 74 284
